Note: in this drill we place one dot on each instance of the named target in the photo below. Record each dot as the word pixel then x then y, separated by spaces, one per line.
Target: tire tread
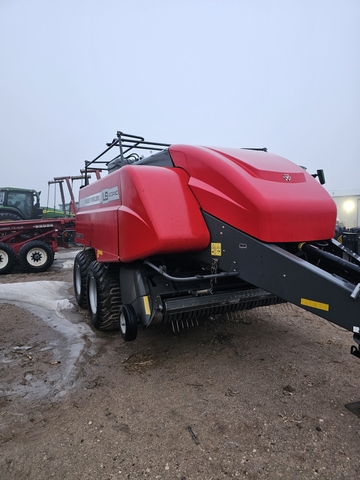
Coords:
pixel 108 295
pixel 12 258
pixel 84 259
pixel 25 266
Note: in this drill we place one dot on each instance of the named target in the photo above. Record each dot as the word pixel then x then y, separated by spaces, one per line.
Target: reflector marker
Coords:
pixel 317 305
pixel 146 305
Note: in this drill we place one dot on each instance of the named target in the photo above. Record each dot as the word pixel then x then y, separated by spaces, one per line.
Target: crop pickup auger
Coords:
pixel 192 231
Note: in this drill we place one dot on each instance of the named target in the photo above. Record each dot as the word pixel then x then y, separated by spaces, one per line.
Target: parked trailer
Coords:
pixel 33 243
pixel 192 231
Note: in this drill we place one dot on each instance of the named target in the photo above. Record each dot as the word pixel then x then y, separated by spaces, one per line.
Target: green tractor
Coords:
pixel 19 204
pixel 24 204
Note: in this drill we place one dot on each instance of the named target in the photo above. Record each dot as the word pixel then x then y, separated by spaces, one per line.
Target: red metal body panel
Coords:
pixel 161 213
pixel 139 211
pixel 260 193
pixel 97 217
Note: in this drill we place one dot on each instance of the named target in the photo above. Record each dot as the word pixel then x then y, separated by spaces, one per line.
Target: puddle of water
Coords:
pixel 4 358
pixel 65 258
pixel 48 301
pixel 49 295
pixel 44 349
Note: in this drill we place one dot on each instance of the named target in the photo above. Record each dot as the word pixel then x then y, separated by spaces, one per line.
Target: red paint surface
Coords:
pixel 156 213
pixel 142 210
pixel 247 189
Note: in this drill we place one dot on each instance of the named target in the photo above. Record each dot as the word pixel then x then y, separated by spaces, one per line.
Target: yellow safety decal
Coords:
pixel 317 305
pixel 98 253
pixel 216 249
pixel 146 305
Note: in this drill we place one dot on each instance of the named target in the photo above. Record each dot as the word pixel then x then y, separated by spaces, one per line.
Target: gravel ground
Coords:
pixel 260 394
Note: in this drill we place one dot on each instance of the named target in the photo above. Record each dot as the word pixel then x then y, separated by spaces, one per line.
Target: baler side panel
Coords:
pixel 97 218
pixel 259 193
pixel 159 213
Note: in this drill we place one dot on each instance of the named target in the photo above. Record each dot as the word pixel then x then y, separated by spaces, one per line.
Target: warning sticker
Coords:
pixel 216 249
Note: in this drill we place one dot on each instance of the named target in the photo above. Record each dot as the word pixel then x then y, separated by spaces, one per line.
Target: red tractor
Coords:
pixel 193 231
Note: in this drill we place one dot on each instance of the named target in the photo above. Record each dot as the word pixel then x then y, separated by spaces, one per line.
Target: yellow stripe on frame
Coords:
pixel 317 305
pixel 147 305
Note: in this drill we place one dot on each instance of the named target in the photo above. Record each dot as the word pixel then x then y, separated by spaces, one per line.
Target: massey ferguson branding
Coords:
pixel 105 196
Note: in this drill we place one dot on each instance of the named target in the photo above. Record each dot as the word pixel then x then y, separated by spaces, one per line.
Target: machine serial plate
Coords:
pixel 216 249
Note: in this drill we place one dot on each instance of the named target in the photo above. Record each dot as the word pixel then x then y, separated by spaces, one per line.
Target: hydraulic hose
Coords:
pixel 330 258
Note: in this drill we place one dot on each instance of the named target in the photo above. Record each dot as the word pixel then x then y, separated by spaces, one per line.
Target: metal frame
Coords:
pixel 276 270
pixel 126 143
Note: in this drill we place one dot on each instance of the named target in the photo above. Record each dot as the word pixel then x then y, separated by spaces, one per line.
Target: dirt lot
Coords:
pixel 258 395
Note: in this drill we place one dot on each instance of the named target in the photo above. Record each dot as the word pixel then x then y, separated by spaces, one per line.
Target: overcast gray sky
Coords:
pixel 281 74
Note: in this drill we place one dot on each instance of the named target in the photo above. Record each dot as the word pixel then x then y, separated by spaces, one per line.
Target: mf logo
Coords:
pixel 287 177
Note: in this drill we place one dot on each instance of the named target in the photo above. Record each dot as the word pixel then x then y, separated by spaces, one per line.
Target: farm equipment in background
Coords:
pixel 33 243
pixel 193 231
pixel 19 204
pixel 349 238
pixel 24 204
pixel 67 209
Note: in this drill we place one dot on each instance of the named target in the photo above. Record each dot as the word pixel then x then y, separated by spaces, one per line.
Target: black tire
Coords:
pixel 81 264
pixel 35 256
pixel 128 323
pixel 9 217
pixel 7 258
pixel 103 295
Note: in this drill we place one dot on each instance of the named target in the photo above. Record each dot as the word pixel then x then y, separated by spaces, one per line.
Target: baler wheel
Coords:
pixel 81 264
pixel 36 256
pixel 103 295
pixel 7 258
pixel 128 323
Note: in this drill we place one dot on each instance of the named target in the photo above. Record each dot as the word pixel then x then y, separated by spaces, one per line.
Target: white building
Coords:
pixel 348 207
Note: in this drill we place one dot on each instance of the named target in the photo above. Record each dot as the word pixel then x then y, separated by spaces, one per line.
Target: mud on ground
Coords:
pixel 260 394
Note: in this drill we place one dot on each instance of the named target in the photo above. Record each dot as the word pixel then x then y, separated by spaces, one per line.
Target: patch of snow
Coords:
pixel 50 295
